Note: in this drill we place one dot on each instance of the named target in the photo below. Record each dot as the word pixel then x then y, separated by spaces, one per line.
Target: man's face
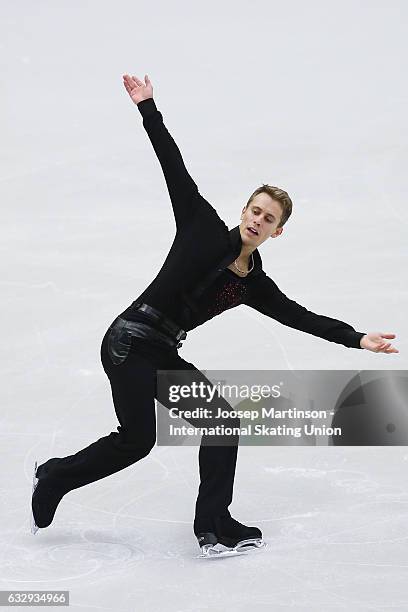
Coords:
pixel 263 214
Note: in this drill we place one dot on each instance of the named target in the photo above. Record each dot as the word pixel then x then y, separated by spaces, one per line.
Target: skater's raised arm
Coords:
pixel 268 299
pixel 180 185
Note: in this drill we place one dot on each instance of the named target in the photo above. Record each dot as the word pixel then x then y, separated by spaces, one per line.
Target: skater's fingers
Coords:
pixel 129 88
pixel 138 82
pixel 128 82
pixel 377 348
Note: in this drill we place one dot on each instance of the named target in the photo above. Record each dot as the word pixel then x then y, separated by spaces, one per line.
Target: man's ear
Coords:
pixel 277 232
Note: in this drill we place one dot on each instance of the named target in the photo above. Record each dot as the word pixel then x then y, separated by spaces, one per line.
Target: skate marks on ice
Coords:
pixel 217 551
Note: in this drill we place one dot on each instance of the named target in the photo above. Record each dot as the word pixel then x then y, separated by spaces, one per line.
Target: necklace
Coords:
pixel 245 271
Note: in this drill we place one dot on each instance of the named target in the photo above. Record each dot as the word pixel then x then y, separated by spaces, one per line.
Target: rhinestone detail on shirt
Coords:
pixel 230 295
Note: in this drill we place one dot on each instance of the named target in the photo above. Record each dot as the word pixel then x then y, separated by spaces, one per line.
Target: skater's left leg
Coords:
pixel 218 454
pixel 213 523
pixel 217 466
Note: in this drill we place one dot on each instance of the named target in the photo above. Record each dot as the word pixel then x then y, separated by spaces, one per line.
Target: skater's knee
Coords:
pixel 230 424
pixel 147 448
pixel 137 447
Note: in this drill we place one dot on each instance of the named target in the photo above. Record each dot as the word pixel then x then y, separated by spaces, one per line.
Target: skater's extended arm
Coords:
pixel 268 299
pixel 180 185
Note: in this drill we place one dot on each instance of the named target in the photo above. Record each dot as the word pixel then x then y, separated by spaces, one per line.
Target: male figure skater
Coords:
pixel 208 269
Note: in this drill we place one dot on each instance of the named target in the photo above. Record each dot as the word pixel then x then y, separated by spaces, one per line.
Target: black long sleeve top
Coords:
pixel 195 284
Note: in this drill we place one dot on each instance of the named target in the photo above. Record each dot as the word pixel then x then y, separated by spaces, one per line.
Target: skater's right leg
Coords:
pixel 133 384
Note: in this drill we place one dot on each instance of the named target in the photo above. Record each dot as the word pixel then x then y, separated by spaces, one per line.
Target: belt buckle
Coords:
pixel 180 336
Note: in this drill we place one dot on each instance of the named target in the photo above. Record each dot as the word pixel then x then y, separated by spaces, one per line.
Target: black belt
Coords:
pixel 164 323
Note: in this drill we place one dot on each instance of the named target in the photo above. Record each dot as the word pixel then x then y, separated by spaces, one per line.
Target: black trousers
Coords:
pixel 132 371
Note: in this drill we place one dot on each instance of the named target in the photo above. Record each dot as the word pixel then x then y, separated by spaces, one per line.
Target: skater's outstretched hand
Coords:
pixel 137 89
pixel 374 341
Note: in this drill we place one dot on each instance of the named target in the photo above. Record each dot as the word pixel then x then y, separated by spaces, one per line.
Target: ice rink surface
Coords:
pixel 310 97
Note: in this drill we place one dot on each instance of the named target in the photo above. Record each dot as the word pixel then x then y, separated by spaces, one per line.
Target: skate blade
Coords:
pixel 34 527
pixel 249 545
pixel 215 553
pixel 242 548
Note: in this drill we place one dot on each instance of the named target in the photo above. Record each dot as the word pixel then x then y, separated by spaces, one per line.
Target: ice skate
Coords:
pixel 34 526
pixel 227 537
pixel 44 502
